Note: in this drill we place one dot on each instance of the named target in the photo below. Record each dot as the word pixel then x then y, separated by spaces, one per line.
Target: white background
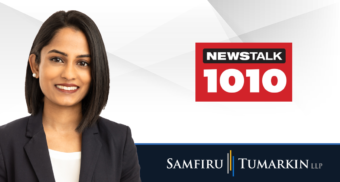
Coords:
pixel 151 50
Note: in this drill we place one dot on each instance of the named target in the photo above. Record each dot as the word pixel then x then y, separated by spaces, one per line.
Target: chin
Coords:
pixel 67 103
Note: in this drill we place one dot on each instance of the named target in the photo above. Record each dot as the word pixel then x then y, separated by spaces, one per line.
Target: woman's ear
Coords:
pixel 34 66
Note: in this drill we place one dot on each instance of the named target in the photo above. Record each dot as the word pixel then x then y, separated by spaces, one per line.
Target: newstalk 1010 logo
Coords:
pixel 244 72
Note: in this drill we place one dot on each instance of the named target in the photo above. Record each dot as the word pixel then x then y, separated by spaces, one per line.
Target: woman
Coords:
pixel 67 86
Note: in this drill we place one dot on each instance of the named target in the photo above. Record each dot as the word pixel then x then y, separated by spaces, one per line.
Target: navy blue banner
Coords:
pixel 238 162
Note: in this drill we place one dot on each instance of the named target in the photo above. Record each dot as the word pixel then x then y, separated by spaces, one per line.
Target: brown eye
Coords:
pixel 83 63
pixel 56 59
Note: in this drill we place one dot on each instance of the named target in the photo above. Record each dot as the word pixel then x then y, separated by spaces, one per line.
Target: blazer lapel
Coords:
pixel 37 150
pixel 90 149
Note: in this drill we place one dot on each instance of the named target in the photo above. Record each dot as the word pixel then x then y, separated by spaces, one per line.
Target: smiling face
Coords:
pixel 64 71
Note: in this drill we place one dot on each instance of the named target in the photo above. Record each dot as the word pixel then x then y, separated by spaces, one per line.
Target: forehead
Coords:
pixel 70 41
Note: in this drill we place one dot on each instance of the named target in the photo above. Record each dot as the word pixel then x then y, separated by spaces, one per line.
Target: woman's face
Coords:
pixel 64 70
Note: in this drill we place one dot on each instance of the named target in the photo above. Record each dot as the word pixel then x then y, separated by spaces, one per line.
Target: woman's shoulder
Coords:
pixel 112 128
pixel 15 125
pixel 111 124
pixel 13 132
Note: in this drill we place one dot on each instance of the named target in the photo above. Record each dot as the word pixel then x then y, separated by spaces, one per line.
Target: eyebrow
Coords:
pixel 62 53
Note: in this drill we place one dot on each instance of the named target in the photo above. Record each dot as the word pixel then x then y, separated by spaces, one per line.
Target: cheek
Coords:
pixel 47 74
pixel 86 78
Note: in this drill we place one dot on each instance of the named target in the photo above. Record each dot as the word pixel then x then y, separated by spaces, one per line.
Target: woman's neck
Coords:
pixel 61 119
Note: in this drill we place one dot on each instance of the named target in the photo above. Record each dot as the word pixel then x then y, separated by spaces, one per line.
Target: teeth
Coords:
pixel 66 88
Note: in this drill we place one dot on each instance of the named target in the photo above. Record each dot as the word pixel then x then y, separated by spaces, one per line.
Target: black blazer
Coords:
pixel 108 153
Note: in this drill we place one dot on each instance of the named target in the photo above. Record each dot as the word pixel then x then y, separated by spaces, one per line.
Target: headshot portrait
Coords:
pixel 64 139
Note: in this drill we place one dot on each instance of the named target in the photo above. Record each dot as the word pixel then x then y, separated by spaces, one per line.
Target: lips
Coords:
pixel 67 88
pixel 68 84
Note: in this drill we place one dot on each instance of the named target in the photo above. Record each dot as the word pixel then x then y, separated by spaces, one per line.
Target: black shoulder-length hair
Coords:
pixel 98 93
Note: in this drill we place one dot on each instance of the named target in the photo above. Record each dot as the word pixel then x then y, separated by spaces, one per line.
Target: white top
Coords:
pixel 66 166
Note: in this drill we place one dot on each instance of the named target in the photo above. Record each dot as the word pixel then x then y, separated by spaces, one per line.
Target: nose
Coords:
pixel 69 72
